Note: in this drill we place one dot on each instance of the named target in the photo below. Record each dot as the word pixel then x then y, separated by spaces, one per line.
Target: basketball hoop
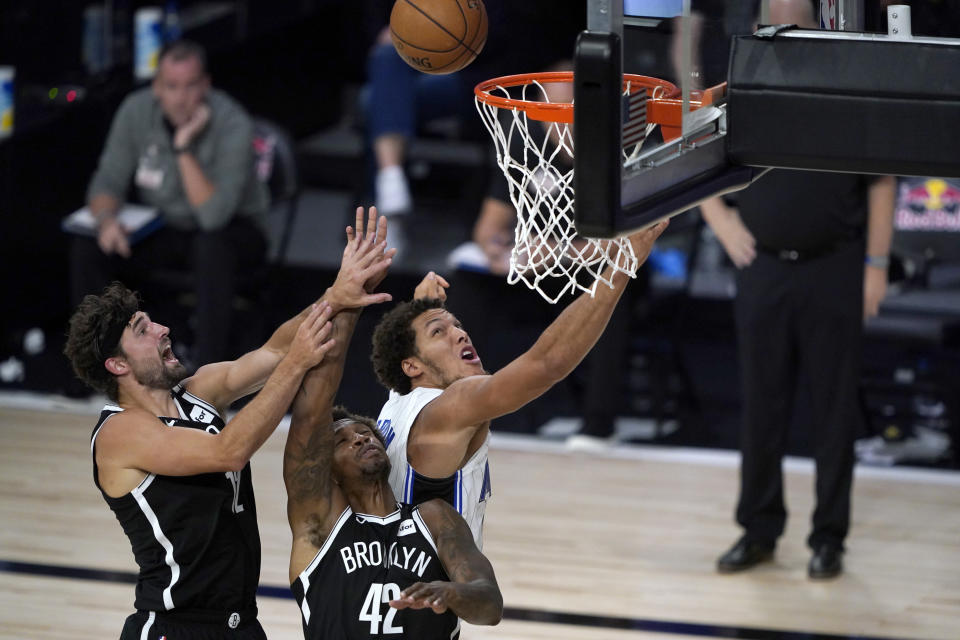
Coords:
pixel 537 162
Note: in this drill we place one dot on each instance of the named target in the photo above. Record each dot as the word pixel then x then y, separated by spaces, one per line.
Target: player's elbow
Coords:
pixel 552 370
pixel 232 457
pixel 231 462
pixel 491 613
pixel 495 610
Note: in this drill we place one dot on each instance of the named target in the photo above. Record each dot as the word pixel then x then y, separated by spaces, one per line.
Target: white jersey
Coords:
pixel 466 490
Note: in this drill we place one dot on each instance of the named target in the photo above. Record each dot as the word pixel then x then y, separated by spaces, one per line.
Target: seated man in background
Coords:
pixel 189 150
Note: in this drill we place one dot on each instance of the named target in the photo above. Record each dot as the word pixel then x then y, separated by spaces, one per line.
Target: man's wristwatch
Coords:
pixel 878 262
pixel 178 150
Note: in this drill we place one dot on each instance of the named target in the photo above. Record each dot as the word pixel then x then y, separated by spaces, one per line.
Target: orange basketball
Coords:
pixel 438 36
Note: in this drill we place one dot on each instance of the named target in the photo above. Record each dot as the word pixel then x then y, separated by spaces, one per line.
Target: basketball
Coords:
pixel 438 36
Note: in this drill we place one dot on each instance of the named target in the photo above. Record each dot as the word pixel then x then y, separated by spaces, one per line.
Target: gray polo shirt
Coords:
pixel 139 147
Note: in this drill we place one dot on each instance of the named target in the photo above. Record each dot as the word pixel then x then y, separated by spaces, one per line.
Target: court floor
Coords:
pixel 608 546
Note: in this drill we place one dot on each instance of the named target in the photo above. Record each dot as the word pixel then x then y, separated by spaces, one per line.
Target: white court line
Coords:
pixel 535 444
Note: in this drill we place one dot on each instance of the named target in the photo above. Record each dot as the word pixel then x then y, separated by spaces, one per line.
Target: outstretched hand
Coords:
pixel 364 264
pixel 642 241
pixel 425 595
pixel 432 286
pixel 312 341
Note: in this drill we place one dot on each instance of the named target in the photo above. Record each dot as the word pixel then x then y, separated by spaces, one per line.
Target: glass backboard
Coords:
pixel 629 174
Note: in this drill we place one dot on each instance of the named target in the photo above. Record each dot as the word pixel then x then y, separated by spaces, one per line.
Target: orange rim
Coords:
pixel 558 111
pixel 665 110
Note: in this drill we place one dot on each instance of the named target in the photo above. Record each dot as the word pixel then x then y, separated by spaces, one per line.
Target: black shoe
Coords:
pixel 745 554
pixel 826 563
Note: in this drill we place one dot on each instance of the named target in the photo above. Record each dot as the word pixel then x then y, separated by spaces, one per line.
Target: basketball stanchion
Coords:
pixel 534 143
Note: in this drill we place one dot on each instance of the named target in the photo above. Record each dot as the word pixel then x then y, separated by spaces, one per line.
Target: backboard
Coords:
pixel 837 98
pixel 621 185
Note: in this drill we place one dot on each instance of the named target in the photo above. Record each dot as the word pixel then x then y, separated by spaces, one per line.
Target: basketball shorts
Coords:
pixel 150 625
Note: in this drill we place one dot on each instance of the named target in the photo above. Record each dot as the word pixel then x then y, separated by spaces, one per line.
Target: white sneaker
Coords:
pixel 392 192
pixel 581 442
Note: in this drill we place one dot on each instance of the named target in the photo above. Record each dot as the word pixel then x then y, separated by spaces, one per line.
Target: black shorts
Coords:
pixel 181 625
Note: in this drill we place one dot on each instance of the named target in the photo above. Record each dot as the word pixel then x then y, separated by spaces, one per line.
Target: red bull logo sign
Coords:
pixel 928 204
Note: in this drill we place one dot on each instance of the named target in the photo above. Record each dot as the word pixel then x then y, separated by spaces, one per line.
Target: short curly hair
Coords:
pixel 394 340
pixel 94 335
pixel 342 413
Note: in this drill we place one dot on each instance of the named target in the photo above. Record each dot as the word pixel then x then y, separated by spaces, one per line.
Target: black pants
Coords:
pixel 155 626
pixel 606 364
pixel 214 257
pixel 794 317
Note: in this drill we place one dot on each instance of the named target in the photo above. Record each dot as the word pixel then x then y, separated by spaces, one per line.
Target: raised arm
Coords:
pixel 362 268
pixel 135 442
pixel 472 593
pixel 471 402
pixel 313 501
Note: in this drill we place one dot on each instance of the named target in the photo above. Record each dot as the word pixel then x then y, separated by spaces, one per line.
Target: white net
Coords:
pixel 537 159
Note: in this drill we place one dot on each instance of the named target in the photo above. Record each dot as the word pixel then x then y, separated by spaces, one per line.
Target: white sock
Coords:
pixel 392 192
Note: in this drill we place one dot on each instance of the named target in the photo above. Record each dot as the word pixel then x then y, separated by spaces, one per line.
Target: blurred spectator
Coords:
pixel 189 150
pixel 522 36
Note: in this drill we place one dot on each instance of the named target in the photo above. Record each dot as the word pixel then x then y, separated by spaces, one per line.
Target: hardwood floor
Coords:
pixel 609 546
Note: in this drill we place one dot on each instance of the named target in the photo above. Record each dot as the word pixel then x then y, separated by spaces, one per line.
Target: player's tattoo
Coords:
pixel 473 594
pixel 455 544
pixel 309 464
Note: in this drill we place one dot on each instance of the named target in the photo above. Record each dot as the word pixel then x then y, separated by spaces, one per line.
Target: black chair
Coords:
pixel 276 164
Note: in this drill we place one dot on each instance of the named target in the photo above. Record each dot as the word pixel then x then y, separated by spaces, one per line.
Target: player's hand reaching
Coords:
pixel 364 264
pixel 432 286
pixel 642 241
pixel 312 341
pixel 426 595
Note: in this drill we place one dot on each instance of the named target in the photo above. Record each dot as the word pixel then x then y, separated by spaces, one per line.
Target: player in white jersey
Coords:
pixel 437 420
pixel 466 490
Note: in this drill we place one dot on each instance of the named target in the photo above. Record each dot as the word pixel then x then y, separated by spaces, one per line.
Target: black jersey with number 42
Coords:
pixel 366 561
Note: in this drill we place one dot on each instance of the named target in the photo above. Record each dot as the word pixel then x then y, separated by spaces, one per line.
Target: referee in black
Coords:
pixel 812 249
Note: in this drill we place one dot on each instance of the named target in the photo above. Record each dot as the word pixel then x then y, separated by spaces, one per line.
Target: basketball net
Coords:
pixel 539 173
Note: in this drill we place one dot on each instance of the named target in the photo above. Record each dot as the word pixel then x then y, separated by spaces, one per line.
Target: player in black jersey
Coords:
pixel 175 474
pixel 362 565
